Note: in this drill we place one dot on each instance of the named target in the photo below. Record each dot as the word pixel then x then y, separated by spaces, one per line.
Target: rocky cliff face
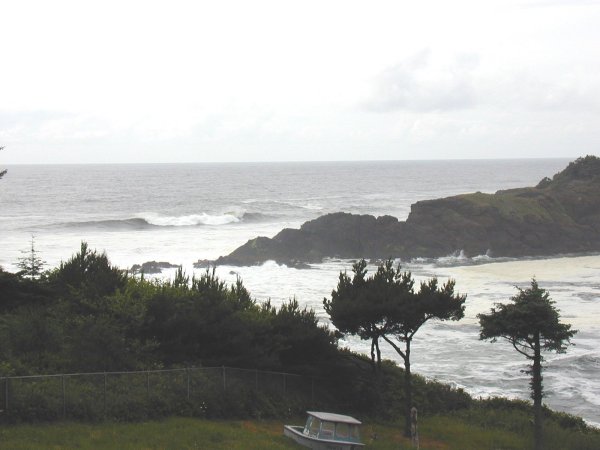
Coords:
pixel 559 215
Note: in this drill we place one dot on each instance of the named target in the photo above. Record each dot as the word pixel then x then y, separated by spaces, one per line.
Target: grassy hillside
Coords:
pixel 445 432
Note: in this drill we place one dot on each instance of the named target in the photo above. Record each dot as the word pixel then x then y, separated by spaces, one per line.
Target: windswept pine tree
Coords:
pixel 386 306
pixel 531 324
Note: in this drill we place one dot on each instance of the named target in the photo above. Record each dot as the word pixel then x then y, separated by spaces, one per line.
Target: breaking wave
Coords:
pixel 153 220
pixel 135 223
pixel 192 220
pixel 459 258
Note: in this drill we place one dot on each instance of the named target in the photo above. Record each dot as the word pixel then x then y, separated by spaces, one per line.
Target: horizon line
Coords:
pixel 299 161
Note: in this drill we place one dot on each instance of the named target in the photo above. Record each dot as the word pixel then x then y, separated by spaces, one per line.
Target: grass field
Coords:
pixel 446 432
pixel 437 433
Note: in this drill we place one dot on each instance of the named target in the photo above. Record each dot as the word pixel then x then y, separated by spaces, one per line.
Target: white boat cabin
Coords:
pixel 336 427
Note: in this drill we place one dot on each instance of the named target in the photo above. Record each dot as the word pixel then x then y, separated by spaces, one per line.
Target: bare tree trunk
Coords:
pixel 407 377
pixel 373 353
pixel 407 389
pixel 536 386
pixel 378 353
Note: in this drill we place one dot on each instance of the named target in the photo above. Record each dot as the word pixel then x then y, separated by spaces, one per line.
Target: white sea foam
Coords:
pixel 190 220
pixel 455 258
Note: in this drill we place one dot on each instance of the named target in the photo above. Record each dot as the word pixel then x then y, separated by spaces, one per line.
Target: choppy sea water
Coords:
pixel 182 213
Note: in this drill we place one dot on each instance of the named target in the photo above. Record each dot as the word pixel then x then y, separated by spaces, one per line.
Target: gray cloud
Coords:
pixel 9 119
pixel 424 83
pixel 420 83
pixel 44 125
pixel 560 3
pixel 556 90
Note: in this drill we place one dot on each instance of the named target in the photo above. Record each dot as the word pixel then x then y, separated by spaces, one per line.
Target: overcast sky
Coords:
pixel 178 81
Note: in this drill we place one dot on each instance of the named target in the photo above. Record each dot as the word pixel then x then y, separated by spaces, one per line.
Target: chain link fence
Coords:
pixel 212 392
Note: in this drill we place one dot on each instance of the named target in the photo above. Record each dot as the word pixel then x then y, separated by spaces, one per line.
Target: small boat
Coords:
pixel 326 431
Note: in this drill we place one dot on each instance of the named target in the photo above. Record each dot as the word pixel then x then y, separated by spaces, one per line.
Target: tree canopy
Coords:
pixel 88 273
pixel 361 306
pixel 529 319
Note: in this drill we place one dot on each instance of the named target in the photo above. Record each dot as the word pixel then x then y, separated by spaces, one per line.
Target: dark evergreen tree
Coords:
pixel 386 306
pixel 358 308
pixel 16 292
pixel 31 265
pixel 88 274
pixel 301 343
pixel 202 320
pixel 531 324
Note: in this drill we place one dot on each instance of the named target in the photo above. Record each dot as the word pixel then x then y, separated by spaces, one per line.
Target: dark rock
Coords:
pixel 559 215
pixel 203 264
pixel 152 267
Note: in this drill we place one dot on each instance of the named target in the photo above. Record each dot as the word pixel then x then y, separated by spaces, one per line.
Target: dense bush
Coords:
pixel 87 315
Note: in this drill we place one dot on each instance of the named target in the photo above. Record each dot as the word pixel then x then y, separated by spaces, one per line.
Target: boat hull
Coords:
pixel 297 435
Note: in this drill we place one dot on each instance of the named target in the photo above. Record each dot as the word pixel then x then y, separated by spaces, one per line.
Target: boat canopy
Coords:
pixel 332 427
pixel 331 417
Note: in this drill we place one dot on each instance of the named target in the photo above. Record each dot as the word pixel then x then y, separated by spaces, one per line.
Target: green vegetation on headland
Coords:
pixel 89 316
pixel 559 215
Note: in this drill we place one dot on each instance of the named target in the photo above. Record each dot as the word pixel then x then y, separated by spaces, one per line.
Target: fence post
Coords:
pixel 104 395
pixel 64 394
pixel 284 384
pixel 6 380
pixel 187 370
pixel 256 380
pixel 224 380
pixel 148 383
pixel 312 391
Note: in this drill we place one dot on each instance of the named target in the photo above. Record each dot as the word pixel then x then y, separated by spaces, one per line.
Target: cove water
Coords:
pixel 184 212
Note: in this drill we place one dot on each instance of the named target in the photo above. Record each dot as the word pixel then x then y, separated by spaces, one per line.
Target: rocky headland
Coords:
pixel 560 215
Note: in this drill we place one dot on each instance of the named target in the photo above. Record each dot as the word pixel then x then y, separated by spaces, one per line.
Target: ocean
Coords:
pixel 184 212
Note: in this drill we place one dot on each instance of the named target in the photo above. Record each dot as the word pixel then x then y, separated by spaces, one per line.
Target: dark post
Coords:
pixel 312 391
pixel 407 390
pixel 536 383
pixel 414 430
pixel 6 395
pixel 148 382
pixel 256 379
pixel 104 395
pixel 187 370
pixel 284 384
pixel 224 380
pixel 64 394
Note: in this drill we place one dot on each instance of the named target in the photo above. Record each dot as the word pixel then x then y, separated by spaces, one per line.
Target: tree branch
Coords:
pixel 398 350
pixel 514 344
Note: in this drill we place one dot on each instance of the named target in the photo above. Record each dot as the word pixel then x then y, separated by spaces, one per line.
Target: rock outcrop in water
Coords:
pixel 151 267
pixel 559 215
